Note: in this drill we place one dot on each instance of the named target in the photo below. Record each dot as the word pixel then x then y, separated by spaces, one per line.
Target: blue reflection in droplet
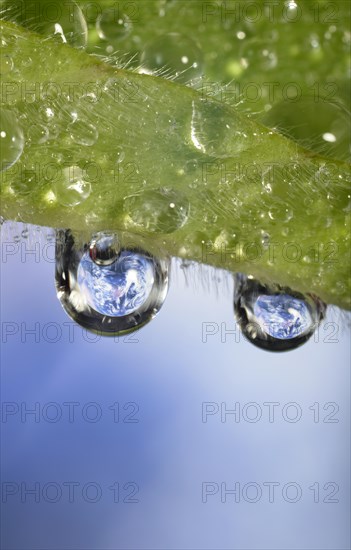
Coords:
pixel 282 316
pixel 117 289
pixel 275 318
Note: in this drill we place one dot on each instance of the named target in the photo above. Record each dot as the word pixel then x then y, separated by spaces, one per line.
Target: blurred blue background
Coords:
pixel 163 451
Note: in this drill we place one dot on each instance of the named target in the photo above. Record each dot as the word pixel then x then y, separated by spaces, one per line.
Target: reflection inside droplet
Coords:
pixel 275 318
pixel 107 288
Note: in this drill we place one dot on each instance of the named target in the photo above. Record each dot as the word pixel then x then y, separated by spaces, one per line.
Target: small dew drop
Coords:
pixel 113 27
pixel 156 211
pixel 175 54
pixel 83 133
pixel 38 133
pixel 11 139
pixel 72 188
pixel 6 64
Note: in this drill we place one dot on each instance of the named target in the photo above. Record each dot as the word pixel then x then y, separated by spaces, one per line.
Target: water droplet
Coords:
pixel 11 139
pixel 257 55
pixel 275 318
pixel 120 154
pixel 211 133
pixel 65 24
pixel 83 133
pixel 6 64
pixel 27 61
pixel 25 233
pixel 265 239
pixel 156 210
pixel 104 248
pixel 72 188
pixel 316 124
pixel 175 54
pixel 111 298
pixel 113 26
pixel 38 133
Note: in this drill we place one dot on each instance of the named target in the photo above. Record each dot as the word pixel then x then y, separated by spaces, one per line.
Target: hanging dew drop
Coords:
pixel 11 139
pixel 106 291
pixel 275 318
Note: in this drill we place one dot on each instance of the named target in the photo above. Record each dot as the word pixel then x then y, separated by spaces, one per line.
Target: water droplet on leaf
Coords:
pixel 156 210
pixel 72 187
pixel 275 318
pixel 63 23
pixel 38 133
pixel 316 124
pixel 175 54
pixel 211 133
pixel 83 133
pixel 11 139
pixel 6 64
pixel 113 26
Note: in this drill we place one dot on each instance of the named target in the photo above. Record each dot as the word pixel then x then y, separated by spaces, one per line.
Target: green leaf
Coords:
pixel 100 148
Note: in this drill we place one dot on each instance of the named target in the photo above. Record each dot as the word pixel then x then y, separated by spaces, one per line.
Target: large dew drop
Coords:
pixel 64 22
pixel 175 55
pixel 106 288
pixel 11 139
pixel 213 130
pixel 275 318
